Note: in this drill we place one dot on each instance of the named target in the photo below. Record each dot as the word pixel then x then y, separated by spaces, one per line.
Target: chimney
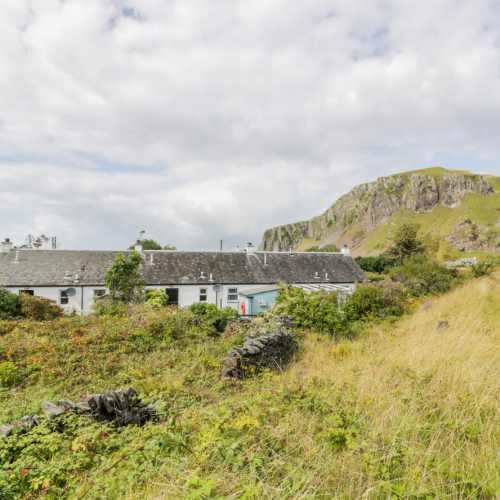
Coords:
pixel 138 246
pixel 250 248
pixel 345 250
pixel 6 245
pixel 17 257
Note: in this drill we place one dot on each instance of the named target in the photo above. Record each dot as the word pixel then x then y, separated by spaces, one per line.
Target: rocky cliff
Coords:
pixel 370 205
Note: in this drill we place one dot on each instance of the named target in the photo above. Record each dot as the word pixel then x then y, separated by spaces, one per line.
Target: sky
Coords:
pixel 201 120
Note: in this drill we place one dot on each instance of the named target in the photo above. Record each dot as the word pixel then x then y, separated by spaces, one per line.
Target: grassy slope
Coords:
pixel 484 210
pixel 406 409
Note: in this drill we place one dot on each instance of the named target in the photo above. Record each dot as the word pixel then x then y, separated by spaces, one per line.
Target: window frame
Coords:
pixel 203 294
pixel 232 294
pixel 99 290
pixel 61 298
pixel 29 292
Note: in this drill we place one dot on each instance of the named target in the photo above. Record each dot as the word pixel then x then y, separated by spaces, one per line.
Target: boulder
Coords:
pixel 51 410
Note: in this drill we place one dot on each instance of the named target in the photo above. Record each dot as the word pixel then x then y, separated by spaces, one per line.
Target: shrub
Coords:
pixel 326 248
pixel 124 280
pixel 10 306
pixel 373 264
pixel 38 308
pixel 210 313
pixel 423 276
pixel 482 268
pixel 109 307
pixel 383 299
pixel 318 311
pixel 9 374
pixel 157 298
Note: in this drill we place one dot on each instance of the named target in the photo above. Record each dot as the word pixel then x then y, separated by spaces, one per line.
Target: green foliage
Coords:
pixel 425 277
pixel 157 298
pixel 9 374
pixel 326 248
pixel 313 311
pixel 152 245
pixel 378 264
pixel 38 308
pixel 124 279
pixel 10 306
pixel 484 268
pixel 219 318
pixel 377 300
pixel 109 307
pixel 406 243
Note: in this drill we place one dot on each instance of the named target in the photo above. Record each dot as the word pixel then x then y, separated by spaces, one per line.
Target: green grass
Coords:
pixel 403 411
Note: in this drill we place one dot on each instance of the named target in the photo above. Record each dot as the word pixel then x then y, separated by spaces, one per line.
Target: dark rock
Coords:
pixel 51 410
pixel 67 403
pixel 6 430
pixel 442 325
pixel 130 393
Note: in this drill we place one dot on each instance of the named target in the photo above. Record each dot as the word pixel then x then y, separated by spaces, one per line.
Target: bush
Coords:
pixel 109 307
pixel 10 306
pixel 9 374
pixel 383 299
pixel 157 298
pixel 482 268
pixel 210 313
pixel 327 248
pixel 423 276
pixel 38 308
pixel 318 311
pixel 377 264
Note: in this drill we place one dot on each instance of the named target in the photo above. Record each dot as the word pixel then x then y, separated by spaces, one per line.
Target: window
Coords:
pixel 29 292
pixel 99 293
pixel 63 297
pixel 203 294
pixel 232 295
pixel 173 296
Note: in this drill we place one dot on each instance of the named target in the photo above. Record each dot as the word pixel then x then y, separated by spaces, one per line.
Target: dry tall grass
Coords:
pixel 426 404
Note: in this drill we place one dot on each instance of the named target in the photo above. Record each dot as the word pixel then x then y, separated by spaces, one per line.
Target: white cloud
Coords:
pixel 198 120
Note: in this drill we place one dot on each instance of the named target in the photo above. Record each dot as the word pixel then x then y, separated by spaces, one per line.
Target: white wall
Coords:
pixel 188 294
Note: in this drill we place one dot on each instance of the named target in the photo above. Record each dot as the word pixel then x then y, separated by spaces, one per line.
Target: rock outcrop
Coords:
pixel 374 203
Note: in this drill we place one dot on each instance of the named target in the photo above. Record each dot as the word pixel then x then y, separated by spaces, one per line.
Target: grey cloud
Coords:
pixel 252 114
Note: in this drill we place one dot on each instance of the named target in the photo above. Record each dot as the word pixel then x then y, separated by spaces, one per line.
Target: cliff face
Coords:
pixel 374 203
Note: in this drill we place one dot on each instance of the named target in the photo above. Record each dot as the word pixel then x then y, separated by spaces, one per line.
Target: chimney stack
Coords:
pixel 138 246
pixel 250 248
pixel 345 250
pixel 6 245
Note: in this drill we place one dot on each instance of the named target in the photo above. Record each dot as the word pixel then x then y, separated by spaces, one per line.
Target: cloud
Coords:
pixel 206 120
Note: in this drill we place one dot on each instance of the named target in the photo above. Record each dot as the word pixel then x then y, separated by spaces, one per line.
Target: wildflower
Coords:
pixel 24 472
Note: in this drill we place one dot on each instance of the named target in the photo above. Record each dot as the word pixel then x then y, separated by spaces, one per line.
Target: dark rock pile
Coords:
pixel 271 350
pixel 120 408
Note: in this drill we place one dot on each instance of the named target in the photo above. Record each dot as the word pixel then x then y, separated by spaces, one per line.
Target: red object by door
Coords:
pixel 243 308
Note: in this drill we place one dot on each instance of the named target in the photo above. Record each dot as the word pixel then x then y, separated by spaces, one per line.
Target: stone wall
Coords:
pixel 272 350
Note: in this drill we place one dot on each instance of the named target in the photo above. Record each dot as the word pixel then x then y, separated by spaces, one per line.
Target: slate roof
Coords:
pixel 48 267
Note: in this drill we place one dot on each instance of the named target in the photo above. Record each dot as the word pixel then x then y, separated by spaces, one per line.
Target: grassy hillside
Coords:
pixel 363 217
pixel 402 412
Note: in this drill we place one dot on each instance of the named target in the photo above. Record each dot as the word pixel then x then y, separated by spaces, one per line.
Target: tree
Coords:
pixel 327 248
pixel 124 280
pixel 35 241
pixel 406 243
pixel 152 245
pixel 10 306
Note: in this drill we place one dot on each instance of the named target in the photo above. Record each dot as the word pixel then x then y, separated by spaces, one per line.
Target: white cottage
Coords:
pixel 74 277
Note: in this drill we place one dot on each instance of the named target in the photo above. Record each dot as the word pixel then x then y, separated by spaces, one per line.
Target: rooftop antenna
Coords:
pixel 140 235
pixel 221 242
pixel 54 242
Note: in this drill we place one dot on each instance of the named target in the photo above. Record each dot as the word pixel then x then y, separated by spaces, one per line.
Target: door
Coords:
pixel 173 296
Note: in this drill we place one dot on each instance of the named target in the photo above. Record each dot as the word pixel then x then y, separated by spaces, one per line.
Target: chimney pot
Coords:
pixel 6 245
pixel 138 246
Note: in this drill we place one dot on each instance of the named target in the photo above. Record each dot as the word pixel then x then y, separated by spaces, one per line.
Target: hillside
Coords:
pixel 403 412
pixel 458 212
